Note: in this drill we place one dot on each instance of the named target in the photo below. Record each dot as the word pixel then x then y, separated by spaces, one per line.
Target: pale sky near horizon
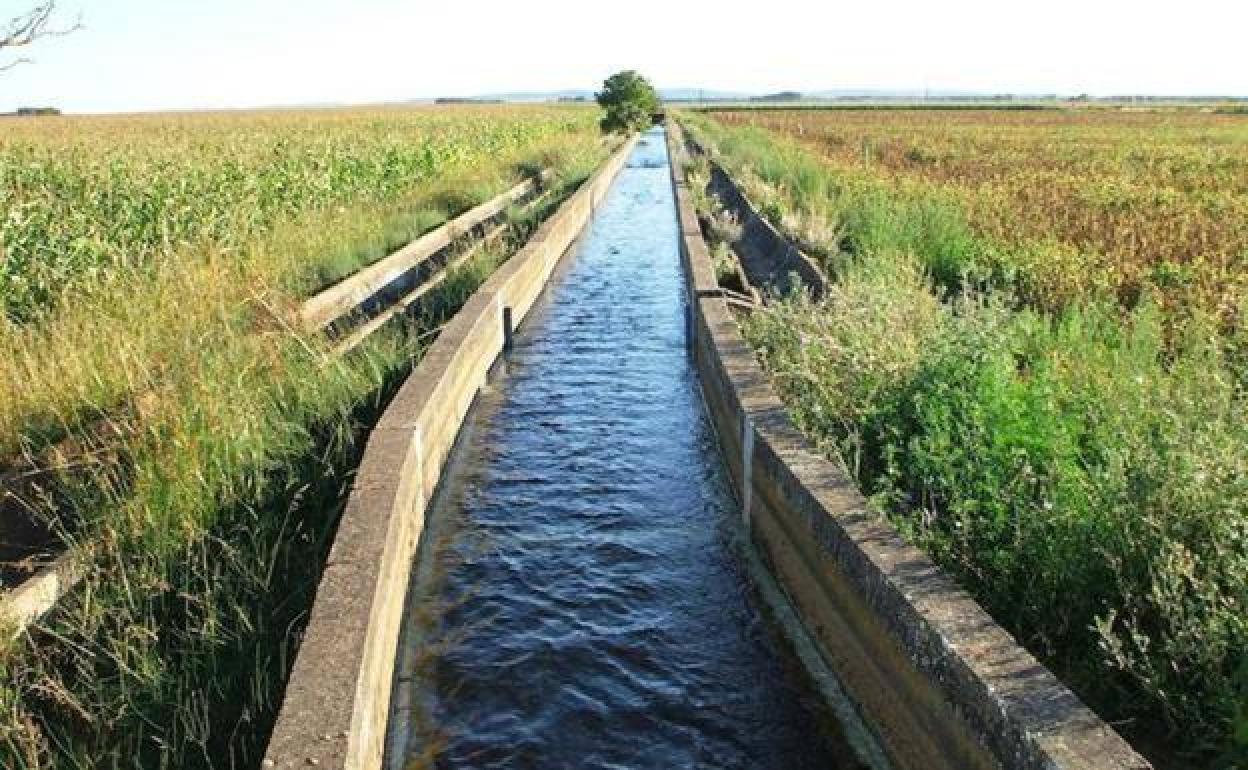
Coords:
pixel 178 54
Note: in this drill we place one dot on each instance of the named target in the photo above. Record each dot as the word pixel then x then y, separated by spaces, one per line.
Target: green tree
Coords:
pixel 629 100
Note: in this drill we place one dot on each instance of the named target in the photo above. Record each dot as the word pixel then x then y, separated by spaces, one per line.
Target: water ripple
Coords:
pixel 585 607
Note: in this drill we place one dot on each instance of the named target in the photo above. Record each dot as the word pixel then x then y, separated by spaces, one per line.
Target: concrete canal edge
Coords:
pixel 338 697
pixel 28 601
pixel 342 297
pixel 937 680
pixel 767 256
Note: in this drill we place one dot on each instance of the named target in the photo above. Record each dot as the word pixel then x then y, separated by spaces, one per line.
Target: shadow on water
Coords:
pixel 581 599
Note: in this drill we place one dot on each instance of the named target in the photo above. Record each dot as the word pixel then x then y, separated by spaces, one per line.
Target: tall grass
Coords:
pixel 88 198
pixel 207 525
pixel 1082 470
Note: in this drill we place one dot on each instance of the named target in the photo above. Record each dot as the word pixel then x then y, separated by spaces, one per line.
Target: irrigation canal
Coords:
pixel 581 598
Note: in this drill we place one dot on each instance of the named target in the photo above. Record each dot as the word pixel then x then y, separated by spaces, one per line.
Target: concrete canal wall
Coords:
pixel 338 697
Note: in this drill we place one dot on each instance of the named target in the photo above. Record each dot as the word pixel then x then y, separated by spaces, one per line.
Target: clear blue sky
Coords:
pixel 174 54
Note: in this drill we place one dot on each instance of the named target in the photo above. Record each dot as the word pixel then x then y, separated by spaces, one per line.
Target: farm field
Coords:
pixel 1033 358
pixel 1060 204
pixel 151 274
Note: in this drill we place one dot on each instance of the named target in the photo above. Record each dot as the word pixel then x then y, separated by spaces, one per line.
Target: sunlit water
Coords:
pixel 581 602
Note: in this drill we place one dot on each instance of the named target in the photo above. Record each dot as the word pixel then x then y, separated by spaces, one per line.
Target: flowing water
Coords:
pixel 581 599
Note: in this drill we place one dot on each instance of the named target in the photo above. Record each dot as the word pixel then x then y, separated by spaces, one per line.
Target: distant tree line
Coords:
pixel 465 100
pixel 782 96
pixel 32 112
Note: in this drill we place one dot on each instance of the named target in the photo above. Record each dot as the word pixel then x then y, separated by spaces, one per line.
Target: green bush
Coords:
pixel 1084 481
pixel 630 102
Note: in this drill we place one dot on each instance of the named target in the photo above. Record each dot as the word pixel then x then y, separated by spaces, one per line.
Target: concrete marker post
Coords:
pixel 690 342
pixel 508 330
pixel 747 468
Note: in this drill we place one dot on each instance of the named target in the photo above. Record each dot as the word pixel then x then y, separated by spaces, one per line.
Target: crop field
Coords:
pixel 1075 202
pixel 88 196
pixel 1033 359
pixel 152 269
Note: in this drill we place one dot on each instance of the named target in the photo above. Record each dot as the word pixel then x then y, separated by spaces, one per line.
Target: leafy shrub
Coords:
pixel 1086 483
pixel 630 102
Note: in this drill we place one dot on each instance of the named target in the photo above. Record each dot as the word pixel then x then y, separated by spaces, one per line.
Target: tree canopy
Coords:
pixel 629 100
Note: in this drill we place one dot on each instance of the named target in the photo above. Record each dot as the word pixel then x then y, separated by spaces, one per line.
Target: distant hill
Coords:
pixel 789 96
pixel 701 94
pixel 575 94
pixel 713 95
pixel 536 96
pixel 782 96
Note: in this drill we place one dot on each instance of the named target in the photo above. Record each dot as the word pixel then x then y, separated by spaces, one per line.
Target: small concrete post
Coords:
pixel 689 329
pixel 508 330
pixel 747 468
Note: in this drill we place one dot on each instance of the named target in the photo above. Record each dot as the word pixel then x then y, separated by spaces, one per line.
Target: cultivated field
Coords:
pixel 1033 358
pixel 85 196
pixel 1065 203
pixel 152 271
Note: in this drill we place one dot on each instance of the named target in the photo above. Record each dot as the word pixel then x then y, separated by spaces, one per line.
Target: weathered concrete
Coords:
pixel 25 485
pixel 30 600
pixel 338 697
pixel 941 684
pixel 359 287
pixel 768 258
pixel 362 332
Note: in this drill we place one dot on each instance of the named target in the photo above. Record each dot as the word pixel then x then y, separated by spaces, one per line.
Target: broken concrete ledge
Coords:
pixel 22 605
pixel 337 699
pixel 931 673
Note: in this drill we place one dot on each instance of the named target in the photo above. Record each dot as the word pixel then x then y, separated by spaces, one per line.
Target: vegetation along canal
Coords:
pixel 581 599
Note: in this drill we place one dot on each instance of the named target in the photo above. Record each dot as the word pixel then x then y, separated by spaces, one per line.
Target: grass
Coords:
pixel 208 521
pixel 1079 465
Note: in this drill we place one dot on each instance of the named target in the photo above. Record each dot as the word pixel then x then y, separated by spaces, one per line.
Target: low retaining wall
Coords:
pixel 938 681
pixel 361 286
pixel 338 698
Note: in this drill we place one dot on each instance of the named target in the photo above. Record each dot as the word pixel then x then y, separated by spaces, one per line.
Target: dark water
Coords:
pixel 581 602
